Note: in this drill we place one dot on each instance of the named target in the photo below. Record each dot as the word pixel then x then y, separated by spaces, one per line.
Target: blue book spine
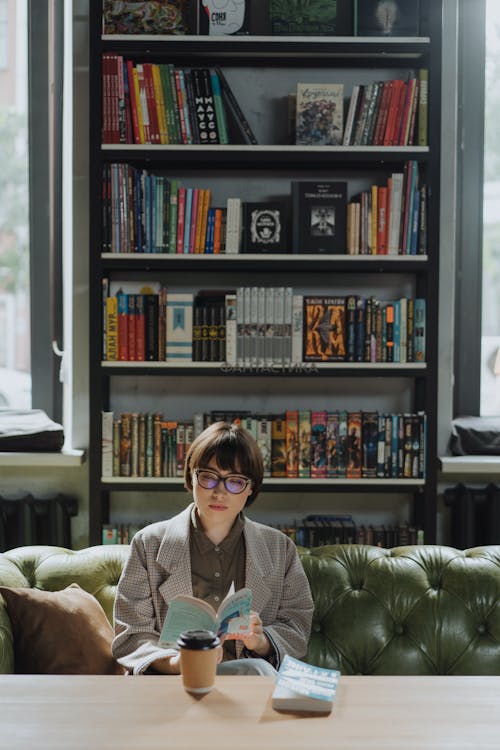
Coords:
pixel 419 329
pixel 209 245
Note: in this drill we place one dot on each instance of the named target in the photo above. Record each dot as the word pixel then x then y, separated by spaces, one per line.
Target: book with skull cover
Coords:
pixel 265 227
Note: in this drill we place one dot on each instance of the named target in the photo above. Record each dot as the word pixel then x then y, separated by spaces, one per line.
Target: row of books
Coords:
pixel 389 219
pixel 312 531
pixel 389 113
pixel 319 530
pixel 276 17
pixel 258 327
pixel 144 212
pixel 295 444
pixel 150 103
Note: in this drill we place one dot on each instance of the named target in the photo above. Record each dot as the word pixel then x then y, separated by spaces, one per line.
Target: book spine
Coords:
pixel 220 113
pixel 319 421
pixel 292 446
pixel 180 327
pixel 231 102
pixel 423 107
pixel 107 444
pixel 304 443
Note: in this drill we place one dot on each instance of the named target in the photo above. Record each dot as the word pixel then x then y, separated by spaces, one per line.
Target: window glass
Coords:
pixel 15 377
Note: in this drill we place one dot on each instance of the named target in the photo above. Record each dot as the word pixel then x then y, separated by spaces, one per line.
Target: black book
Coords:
pixel 233 109
pixel 319 217
pixel 380 18
pixel 205 119
pixel 265 227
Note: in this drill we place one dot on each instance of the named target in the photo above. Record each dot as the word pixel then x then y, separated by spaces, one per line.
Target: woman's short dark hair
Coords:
pixel 233 448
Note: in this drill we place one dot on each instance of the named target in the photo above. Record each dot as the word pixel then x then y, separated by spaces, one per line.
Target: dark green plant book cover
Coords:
pixel 310 17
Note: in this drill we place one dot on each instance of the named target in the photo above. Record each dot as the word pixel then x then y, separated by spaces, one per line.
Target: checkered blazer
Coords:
pixel 159 567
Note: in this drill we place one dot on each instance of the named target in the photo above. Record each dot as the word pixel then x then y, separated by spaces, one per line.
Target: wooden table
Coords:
pixel 154 712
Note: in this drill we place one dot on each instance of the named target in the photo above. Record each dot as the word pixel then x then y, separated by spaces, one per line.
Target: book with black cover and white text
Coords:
pixel 265 227
pixel 319 217
pixel 304 687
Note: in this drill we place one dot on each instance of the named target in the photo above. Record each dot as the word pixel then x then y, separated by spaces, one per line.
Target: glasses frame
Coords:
pixel 222 479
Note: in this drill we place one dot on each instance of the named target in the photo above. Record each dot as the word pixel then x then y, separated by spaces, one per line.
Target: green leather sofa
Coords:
pixel 409 610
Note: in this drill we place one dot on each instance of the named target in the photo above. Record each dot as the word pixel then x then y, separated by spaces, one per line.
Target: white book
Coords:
pixel 247 325
pixel 254 325
pixel 261 326
pixel 264 442
pixel 350 116
pixel 287 326
pixel 231 329
pixel 297 328
pixel 304 687
pixel 233 225
pixel 179 346
pixel 107 444
pixel 269 332
pixel 279 313
pixel 240 326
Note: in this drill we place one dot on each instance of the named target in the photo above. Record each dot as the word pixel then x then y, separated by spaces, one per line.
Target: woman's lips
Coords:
pixel 217 507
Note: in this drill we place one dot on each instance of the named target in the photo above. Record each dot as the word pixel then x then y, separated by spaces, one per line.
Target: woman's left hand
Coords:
pixel 256 640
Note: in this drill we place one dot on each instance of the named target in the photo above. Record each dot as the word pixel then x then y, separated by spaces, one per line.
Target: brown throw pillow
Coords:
pixel 59 632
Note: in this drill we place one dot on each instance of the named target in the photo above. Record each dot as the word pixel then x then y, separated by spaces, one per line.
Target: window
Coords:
pixel 15 355
pixel 490 314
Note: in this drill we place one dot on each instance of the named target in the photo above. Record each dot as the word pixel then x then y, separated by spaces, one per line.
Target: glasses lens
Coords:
pixel 235 485
pixel 207 479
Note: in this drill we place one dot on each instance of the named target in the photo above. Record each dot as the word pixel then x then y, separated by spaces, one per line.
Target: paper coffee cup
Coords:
pixel 198 650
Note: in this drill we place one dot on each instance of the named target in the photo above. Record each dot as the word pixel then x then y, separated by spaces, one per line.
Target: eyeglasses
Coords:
pixel 233 483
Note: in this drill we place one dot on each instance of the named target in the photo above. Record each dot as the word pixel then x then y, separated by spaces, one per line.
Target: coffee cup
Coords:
pixel 198 650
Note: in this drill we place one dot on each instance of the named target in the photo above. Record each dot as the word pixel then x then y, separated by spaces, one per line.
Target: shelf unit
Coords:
pixel 263 53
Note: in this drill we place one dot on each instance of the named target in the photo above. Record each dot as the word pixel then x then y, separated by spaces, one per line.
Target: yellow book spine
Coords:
pixel 160 104
pixel 111 329
pixel 140 121
pixel 204 220
pixel 199 220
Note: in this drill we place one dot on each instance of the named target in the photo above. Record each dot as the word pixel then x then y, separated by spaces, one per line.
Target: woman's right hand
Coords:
pixel 168 665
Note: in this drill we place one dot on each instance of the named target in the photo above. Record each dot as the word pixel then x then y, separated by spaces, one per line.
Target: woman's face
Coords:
pixel 218 506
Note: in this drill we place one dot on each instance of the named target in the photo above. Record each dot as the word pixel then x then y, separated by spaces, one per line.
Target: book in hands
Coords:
pixel 230 622
pixel 304 687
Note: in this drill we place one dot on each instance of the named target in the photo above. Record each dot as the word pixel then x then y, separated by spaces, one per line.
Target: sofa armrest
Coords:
pixel 6 642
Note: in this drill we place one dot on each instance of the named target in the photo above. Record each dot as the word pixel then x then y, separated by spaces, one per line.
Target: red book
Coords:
pixel 383 111
pixel 180 106
pixel 382 221
pixel 140 329
pixel 122 326
pixel 194 218
pixel 398 116
pixel 393 107
pixel 132 338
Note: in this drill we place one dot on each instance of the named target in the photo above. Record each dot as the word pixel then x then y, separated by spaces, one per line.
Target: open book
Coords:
pixel 304 687
pixel 231 621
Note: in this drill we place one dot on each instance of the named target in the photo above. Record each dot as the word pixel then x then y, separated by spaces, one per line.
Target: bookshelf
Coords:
pixel 257 171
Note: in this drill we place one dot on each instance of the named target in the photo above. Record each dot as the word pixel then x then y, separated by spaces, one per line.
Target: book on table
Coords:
pixel 185 612
pixel 304 687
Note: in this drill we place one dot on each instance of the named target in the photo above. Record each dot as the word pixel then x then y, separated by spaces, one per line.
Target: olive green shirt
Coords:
pixel 214 567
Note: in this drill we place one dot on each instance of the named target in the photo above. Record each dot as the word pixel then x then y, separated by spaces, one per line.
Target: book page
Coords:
pixel 234 614
pixel 186 613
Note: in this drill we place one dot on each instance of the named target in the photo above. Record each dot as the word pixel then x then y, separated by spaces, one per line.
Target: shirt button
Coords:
pixel 216 549
pixel 216 598
pixel 217 574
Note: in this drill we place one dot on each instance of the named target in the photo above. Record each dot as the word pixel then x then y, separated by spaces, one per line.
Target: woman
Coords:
pixel 205 551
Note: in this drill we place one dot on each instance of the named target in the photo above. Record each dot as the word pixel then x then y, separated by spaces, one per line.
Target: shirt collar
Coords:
pixel 205 545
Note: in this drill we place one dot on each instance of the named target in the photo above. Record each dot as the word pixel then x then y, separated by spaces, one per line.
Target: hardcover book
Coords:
pixel 265 226
pixel 324 334
pixel 386 17
pixel 304 687
pixel 319 114
pixel 149 17
pixel 319 212
pixel 314 18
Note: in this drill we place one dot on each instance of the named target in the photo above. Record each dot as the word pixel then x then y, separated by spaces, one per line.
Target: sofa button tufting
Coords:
pixel 481 629
pixel 317 627
pixel 399 630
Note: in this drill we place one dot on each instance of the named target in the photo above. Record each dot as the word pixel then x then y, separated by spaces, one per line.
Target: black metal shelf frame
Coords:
pixel 264 52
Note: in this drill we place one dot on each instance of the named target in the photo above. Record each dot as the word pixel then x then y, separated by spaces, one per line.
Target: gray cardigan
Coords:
pixel 159 568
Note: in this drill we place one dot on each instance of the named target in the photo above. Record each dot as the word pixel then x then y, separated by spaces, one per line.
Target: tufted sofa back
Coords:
pixel 409 610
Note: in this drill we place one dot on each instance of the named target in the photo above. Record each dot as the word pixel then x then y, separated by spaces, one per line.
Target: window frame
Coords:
pixel 45 116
